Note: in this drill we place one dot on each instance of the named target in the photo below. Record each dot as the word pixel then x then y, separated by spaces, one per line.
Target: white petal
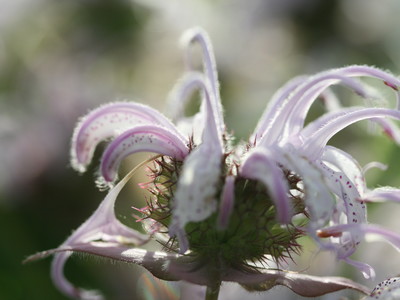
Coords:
pixel 194 199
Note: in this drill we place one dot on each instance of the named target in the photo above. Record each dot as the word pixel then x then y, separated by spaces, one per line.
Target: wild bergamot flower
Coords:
pixel 224 210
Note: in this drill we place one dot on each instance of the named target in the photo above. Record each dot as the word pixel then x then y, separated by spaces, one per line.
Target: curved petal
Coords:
pixel 260 165
pixel 345 189
pixel 369 231
pixel 275 107
pixel 108 121
pixel 309 93
pixel 101 226
pixel 302 284
pixel 304 95
pixel 317 134
pixel 294 110
pixel 349 210
pixel 145 138
pixel 372 232
pixel 367 271
pixel 210 114
pixel 374 164
pixel 57 275
pixel 199 35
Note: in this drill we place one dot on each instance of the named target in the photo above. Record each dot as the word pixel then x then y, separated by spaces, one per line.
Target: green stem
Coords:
pixel 212 292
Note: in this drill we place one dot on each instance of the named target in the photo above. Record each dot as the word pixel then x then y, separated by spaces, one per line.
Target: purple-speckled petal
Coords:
pixel 347 164
pixel 315 136
pixel 260 165
pixel 101 226
pixel 145 138
pixel 59 280
pixel 388 289
pixel 227 202
pixel 349 206
pixel 108 121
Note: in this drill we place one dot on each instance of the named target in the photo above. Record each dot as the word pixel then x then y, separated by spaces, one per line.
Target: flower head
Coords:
pixel 228 211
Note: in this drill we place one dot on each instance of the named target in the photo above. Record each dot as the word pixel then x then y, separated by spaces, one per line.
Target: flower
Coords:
pixel 225 211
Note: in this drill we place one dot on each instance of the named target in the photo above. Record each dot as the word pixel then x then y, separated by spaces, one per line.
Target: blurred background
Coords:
pixel 59 59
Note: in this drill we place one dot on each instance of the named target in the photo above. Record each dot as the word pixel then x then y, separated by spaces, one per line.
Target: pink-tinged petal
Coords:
pixel 195 195
pixel 200 36
pixel 386 290
pixel 348 209
pixel 382 194
pixel 275 107
pixel 210 115
pixel 367 271
pixel 294 111
pixel 108 121
pixel 315 136
pixel 348 205
pixel 145 138
pixel 64 285
pixel 302 284
pixel 371 232
pixel 260 165
pixel 227 202
pixel 295 107
pixel 101 226
pixel 310 92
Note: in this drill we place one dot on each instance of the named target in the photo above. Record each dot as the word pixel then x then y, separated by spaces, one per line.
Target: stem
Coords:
pixel 212 292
